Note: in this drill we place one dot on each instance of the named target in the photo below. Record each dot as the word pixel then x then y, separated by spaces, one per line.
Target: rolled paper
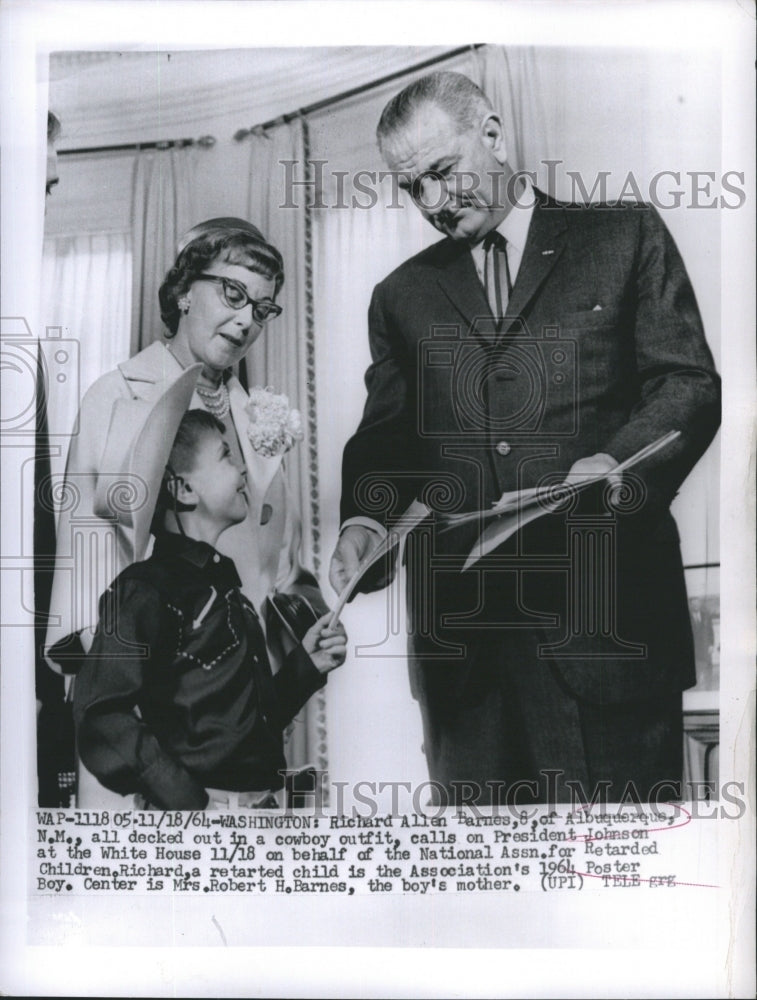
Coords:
pixel 396 535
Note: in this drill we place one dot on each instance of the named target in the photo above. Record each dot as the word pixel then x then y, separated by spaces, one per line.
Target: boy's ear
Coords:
pixel 180 491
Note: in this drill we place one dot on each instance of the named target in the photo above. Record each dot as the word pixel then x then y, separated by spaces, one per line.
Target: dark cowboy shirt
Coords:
pixel 179 642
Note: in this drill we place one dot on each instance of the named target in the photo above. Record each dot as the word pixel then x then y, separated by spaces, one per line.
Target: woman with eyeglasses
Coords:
pixel 215 302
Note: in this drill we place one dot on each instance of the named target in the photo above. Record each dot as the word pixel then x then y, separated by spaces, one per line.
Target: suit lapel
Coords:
pixel 459 282
pixel 544 246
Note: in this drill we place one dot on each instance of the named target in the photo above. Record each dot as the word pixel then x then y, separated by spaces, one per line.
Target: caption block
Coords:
pixel 78 852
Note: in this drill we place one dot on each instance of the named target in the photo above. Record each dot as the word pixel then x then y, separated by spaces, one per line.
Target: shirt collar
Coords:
pixel 514 227
pixel 199 555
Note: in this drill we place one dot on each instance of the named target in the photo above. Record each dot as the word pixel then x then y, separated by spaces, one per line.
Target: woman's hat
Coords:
pixel 222 225
pixel 138 444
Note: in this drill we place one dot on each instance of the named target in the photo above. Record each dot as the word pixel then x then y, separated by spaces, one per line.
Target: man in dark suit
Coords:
pixel 536 341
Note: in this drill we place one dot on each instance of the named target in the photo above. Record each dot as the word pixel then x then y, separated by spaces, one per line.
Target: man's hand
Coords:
pixel 592 466
pixel 354 544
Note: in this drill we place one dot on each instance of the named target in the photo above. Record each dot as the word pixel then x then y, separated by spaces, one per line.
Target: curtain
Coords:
pixel 280 357
pixel 162 209
pixel 376 724
pixel 284 358
pixel 86 300
pixel 86 295
pixel 510 79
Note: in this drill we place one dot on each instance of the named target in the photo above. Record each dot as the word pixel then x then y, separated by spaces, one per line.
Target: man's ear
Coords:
pixel 493 135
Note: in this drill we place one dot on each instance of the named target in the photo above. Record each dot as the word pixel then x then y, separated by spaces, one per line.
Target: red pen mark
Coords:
pixel 585 838
pixel 635 879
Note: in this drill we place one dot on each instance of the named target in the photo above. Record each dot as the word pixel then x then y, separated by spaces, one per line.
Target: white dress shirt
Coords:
pixel 514 227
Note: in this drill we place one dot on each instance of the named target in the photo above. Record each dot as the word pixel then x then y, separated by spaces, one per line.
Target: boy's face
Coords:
pixel 217 482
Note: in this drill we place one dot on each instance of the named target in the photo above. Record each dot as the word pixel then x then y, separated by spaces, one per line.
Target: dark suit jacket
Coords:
pixel 602 350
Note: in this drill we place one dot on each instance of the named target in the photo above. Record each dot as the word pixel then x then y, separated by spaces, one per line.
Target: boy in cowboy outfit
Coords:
pixel 178 641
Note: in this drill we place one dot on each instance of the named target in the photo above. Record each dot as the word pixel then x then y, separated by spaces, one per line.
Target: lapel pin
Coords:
pixel 546 253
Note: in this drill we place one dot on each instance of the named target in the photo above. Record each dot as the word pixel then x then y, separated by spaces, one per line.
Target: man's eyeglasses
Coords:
pixel 235 295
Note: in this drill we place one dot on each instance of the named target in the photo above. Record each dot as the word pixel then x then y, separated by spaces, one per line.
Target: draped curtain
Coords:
pixel 100 288
pixel 86 298
pixel 284 358
pixel 280 357
pixel 162 209
pixel 85 305
pixel 509 77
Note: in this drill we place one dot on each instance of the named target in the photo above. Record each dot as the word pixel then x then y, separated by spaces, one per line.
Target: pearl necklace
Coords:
pixel 216 400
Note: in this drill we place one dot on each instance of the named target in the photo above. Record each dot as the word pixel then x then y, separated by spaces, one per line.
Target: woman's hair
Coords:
pixel 229 246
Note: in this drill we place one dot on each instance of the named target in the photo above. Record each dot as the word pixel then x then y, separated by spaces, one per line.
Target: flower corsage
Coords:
pixel 274 428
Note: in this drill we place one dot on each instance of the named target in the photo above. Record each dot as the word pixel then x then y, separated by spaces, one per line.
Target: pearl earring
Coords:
pixel 183 304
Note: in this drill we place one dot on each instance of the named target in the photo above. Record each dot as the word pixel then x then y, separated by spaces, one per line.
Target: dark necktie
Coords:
pixel 497 282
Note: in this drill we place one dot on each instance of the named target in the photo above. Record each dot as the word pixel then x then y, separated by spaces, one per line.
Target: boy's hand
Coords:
pixel 326 647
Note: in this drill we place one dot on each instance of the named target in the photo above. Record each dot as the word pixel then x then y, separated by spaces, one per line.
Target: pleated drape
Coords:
pixel 284 359
pixel 162 209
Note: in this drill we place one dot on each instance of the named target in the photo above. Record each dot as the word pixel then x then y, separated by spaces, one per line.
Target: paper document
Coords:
pixel 514 510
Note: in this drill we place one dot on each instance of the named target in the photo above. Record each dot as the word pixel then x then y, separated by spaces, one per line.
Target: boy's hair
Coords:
pixel 195 424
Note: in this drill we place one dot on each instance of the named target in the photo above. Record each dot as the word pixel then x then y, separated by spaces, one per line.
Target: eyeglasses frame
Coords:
pixel 273 308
